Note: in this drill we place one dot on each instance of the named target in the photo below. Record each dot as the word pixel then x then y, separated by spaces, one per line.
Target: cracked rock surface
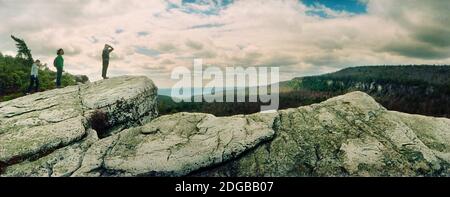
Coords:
pixel 48 134
pixel 350 135
pixel 176 145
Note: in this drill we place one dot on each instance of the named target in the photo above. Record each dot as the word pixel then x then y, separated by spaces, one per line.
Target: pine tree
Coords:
pixel 23 50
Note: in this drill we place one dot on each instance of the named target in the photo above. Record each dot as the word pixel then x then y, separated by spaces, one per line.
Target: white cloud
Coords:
pixel 251 32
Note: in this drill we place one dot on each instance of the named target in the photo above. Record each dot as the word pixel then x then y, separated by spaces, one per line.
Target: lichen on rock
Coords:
pixel 179 144
pixel 37 128
pixel 50 134
pixel 350 135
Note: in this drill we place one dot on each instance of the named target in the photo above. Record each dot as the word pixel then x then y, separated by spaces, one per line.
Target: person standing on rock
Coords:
pixel 59 64
pixel 105 56
pixel 34 77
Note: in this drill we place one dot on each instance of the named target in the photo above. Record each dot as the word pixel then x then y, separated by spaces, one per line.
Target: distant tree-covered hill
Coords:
pixel 420 89
pixel 423 89
pixel 15 77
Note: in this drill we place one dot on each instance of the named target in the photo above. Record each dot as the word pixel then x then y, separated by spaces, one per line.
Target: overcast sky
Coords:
pixel 301 37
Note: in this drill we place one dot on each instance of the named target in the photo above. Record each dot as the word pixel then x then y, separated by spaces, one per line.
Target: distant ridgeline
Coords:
pixel 411 89
pixel 15 77
pixel 420 89
pixel 423 75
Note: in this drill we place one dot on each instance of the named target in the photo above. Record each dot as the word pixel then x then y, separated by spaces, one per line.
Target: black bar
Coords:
pixel 304 186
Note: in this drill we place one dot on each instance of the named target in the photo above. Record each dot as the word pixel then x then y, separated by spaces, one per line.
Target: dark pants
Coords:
pixel 105 68
pixel 33 80
pixel 58 77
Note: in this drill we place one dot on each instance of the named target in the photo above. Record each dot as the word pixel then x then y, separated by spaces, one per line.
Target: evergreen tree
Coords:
pixel 23 50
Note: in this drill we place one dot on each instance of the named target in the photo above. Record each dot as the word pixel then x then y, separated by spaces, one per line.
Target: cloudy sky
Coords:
pixel 302 37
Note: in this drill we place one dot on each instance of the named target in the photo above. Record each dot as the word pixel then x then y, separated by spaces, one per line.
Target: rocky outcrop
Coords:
pixel 48 134
pixel 350 135
pixel 46 131
pixel 176 145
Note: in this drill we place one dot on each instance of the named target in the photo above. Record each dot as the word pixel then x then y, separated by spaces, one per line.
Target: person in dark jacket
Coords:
pixel 105 56
pixel 59 64
pixel 34 77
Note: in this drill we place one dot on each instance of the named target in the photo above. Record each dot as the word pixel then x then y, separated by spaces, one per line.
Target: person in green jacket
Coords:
pixel 59 64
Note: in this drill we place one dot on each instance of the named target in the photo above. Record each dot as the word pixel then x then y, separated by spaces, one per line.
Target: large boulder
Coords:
pixel 124 99
pixel 50 134
pixel 349 135
pixel 176 145
pixel 42 125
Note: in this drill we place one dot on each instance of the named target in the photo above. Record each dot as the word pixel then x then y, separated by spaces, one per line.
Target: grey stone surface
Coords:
pixel 178 144
pixel 48 134
pixel 350 135
pixel 44 125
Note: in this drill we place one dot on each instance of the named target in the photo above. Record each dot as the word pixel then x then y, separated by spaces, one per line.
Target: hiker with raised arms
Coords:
pixel 105 56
